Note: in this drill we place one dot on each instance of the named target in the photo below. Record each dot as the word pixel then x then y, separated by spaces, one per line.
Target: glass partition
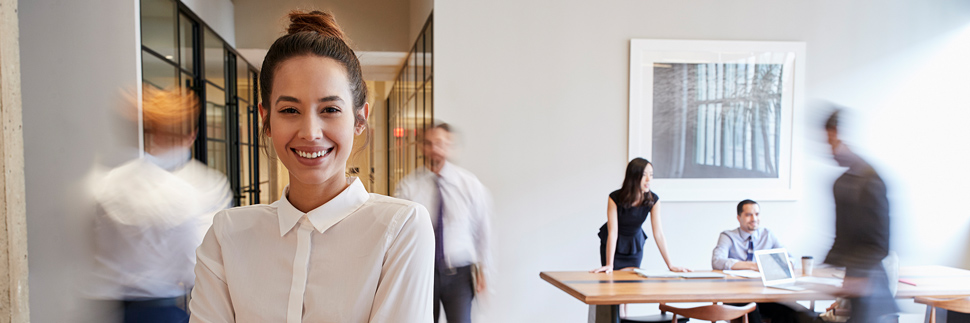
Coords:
pixel 410 109
pixel 179 49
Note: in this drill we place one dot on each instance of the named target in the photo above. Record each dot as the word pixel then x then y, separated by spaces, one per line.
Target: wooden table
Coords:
pixel 602 292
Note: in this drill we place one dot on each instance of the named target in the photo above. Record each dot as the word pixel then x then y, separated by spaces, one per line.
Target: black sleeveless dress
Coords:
pixel 629 242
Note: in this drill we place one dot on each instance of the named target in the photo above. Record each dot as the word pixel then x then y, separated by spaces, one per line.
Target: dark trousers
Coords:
pixel 453 290
pixel 154 311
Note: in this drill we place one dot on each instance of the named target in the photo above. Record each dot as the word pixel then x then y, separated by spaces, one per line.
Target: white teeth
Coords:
pixel 308 155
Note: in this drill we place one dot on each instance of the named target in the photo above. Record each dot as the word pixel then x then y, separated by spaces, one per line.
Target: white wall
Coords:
pixel 540 91
pixel 218 14
pixel 76 58
pixel 372 25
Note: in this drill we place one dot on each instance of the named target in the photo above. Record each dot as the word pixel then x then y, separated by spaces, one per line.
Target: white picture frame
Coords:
pixel 712 98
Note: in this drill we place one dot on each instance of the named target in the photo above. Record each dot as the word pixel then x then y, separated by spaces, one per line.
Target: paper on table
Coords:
pixel 656 274
pixel 702 274
pixel 744 273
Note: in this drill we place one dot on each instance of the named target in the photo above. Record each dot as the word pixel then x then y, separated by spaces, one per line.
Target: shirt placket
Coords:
pixel 301 261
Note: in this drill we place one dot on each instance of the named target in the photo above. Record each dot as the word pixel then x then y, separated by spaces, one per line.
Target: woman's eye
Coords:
pixel 331 110
pixel 288 110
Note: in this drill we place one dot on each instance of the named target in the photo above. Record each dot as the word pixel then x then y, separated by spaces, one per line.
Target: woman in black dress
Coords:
pixel 622 237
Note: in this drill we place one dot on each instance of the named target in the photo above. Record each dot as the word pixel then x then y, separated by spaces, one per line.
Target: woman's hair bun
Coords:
pixel 320 22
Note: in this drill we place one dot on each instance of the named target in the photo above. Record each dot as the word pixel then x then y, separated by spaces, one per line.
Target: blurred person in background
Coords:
pixel 155 212
pixel 861 233
pixel 327 250
pixel 459 206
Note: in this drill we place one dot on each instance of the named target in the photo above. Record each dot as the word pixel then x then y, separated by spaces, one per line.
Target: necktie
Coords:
pixel 750 249
pixel 439 231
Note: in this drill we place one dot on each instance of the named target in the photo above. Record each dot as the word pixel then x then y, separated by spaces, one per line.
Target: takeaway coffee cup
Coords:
pixel 807 265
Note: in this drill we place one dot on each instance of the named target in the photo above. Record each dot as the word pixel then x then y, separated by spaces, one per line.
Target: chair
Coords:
pixel 712 312
pixel 663 317
pixel 961 305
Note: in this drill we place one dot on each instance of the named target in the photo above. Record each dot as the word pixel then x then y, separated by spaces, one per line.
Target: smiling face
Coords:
pixel 647 177
pixel 750 217
pixel 312 119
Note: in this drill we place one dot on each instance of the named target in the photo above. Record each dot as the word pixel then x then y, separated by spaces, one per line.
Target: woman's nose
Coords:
pixel 311 128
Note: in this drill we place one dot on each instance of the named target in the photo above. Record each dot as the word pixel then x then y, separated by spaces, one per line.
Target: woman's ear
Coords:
pixel 263 114
pixel 362 117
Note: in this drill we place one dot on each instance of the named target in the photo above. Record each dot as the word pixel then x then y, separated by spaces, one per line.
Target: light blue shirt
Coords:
pixel 732 246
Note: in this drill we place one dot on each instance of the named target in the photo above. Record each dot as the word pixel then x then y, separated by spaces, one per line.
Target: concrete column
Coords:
pixel 13 212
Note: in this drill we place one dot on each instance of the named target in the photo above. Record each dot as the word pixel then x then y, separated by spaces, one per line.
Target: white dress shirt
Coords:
pixel 358 258
pixel 155 212
pixel 732 246
pixel 467 205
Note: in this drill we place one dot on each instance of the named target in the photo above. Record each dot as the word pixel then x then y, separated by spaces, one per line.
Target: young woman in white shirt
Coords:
pixel 327 251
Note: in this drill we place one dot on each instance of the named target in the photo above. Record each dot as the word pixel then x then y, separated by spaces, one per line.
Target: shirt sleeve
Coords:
pixel 210 297
pixel 404 293
pixel 719 258
pixel 483 228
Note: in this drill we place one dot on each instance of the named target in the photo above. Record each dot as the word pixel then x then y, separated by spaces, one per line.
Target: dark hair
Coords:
pixel 314 33
pixel 832 123
pixel 743 203
pixel 630 191
pixel 442 125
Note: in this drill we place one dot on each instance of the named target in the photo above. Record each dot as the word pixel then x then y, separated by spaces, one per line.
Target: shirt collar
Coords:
pixel 447 172
pixel 754 235
pixel 326 215
pixel 170 160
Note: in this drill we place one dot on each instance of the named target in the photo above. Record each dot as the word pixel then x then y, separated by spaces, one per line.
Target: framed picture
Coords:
pixel 716 118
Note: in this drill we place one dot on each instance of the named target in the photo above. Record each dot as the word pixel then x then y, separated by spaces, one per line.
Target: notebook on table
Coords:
pixel 776 270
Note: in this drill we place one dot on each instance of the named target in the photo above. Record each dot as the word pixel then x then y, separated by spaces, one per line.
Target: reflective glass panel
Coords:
pixel 244 170
pixel 243 90
pixel 215 112
pixel 264 197
pixel 186 43
pixel 216 151
pixel 158 27
pixel 215 59
pixel 157 72
pixel 245 128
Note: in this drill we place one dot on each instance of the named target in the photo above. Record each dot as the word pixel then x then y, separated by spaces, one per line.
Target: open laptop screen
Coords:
pixel 774 265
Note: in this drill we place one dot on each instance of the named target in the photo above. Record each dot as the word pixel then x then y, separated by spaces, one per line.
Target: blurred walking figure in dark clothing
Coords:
pixel 861 233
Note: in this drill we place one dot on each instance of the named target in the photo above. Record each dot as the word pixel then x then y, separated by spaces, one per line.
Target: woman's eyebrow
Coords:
pixel 287 99
pixel 331 98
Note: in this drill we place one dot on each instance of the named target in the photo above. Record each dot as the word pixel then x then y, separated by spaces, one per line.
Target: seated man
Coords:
pixel 735 250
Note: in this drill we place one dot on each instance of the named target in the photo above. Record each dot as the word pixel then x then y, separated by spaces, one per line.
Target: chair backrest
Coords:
pixel 711 312
pixel 961 305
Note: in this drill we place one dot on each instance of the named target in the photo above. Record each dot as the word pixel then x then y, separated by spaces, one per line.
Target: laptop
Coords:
pixel 776 270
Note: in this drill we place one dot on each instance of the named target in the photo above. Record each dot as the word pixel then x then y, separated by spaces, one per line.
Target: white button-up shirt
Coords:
pixel 358 258
pixel 155 212
pixel 467 205
pixel 732 246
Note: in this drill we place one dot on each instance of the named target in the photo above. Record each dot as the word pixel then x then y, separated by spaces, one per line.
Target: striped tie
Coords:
pixel 439 232
pixel 750 249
